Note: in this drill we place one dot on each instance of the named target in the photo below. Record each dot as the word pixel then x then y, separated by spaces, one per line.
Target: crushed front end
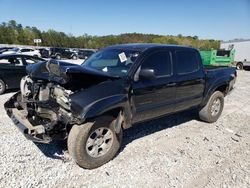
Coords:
pixel 41 110
pixel 44 108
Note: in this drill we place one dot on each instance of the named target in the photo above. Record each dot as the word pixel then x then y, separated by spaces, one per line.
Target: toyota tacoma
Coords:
pixel 91 104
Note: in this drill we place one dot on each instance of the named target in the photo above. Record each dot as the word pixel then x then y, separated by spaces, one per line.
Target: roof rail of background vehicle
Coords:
pixel 144 46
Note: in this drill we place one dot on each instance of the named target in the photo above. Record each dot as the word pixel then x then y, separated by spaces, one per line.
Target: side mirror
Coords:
pixel 147 74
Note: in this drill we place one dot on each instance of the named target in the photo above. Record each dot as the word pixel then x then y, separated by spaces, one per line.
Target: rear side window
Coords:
pixel 160 62
pixel 4 61
pixel 30 60
pixel 26 50
pixel 187 61
pixel 12 61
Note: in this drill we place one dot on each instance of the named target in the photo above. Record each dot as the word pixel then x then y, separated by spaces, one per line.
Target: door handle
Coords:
pixel 171 84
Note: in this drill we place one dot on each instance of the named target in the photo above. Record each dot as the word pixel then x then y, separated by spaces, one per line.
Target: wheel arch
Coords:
pixel 72 55
pixel 4 81
pixel 222 87
pixel 113 106
pixel 56 54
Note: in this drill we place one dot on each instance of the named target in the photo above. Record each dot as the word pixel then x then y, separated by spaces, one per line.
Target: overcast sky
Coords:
pixel 208 19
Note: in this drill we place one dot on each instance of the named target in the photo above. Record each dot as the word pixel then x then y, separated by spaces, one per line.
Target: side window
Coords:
pixel 17 61
pixel 160 62
pixel 187 61
pixel 25 50
pixel 4 61
pixel 30 60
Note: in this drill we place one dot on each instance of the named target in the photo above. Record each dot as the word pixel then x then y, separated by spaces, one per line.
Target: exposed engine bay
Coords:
pixel 54 96
pixel 45 104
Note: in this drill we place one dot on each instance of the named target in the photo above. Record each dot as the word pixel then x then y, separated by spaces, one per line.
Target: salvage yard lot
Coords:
pixel 178 151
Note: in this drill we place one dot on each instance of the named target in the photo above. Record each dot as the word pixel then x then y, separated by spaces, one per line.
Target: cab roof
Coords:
pixel 145 46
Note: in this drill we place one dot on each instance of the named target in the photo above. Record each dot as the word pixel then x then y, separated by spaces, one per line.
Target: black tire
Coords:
pixel 206 114
pixel 58 57
pixel 2 87
pixel 79 135
pixel 74 57
pixel 239 66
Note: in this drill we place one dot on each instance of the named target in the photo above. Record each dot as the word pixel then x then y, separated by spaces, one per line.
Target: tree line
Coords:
pixel 14 33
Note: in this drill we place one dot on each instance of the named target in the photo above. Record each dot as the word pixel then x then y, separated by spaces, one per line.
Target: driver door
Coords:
pixel 154 97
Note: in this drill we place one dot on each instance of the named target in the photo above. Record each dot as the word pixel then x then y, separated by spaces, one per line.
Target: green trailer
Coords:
pixel 217 57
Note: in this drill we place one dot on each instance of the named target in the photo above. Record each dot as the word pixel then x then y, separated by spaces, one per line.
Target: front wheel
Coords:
pixel 94 143
pixel 213 109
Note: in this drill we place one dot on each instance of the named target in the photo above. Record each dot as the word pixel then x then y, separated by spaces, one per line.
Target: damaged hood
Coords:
pixel 69 75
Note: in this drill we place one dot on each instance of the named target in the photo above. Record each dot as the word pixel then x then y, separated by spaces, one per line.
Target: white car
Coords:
pixel 25 51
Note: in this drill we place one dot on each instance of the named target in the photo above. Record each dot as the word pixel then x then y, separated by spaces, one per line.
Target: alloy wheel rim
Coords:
pixel 215 108
pixel 99 142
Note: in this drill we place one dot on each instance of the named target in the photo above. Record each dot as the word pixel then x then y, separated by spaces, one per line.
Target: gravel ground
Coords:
pixel 175 151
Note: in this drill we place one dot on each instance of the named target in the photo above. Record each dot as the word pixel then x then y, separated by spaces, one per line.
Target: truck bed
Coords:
pixel 210 67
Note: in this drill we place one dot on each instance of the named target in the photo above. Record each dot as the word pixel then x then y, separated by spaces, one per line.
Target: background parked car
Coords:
pixel 4 49
pixel 59 53
pixel 85 53
pixel 24 51
pixel 45 52
pixel 13 68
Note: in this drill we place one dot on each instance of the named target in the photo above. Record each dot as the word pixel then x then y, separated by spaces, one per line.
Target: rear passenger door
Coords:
pixel 190 79
pixel 155 97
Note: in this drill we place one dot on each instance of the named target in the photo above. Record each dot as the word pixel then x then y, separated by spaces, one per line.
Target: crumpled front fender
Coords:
pixel 104 105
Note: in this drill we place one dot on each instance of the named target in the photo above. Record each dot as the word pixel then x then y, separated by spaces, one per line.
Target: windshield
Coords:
pixel 112 61
pixel 14 49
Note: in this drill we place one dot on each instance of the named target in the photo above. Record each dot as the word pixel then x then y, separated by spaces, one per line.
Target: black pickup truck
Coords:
pixel 115 88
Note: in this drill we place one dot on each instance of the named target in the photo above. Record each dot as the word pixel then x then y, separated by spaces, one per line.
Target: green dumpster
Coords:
pixel 217 57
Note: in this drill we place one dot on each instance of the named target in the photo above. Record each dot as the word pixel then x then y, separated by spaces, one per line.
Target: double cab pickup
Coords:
pixel 91 104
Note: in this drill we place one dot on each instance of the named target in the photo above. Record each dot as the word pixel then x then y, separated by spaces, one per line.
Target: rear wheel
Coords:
pixel 58 56
pixel 74 57
pixel 213 109
pixel 239 66
pixel 2 87
pixel 94 143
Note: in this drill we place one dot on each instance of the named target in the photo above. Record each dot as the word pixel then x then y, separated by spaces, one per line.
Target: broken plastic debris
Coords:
pixel 229 130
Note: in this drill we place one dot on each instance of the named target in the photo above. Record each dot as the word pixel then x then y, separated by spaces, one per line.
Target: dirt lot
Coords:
pixel 176 151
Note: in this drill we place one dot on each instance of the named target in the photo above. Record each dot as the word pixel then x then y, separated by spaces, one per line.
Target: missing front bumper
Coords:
pixel 31 132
